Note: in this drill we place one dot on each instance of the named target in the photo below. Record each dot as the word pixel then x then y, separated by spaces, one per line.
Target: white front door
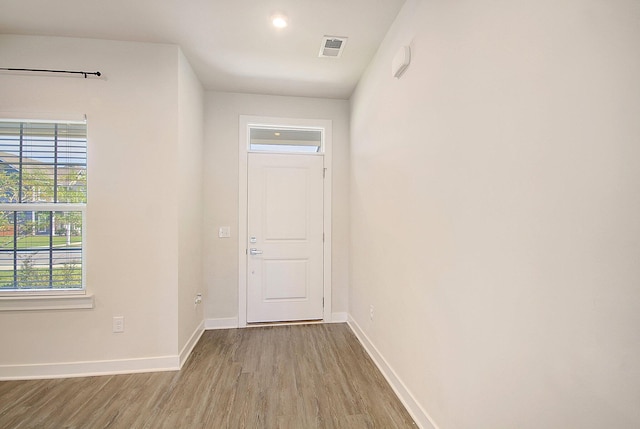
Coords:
pixel 285 237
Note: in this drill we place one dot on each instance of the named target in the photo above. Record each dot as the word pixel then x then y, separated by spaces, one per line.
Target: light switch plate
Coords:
pixel 224 232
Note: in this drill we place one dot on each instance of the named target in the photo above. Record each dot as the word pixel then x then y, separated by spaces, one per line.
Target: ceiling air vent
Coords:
pixel 332 46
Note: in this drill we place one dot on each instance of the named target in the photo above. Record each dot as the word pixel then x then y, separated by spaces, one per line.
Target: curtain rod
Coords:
pixel 84 73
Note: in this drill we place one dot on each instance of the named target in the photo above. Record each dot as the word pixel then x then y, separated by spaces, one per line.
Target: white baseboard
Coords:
pixel 339 317
pixel 228 323
pixel 188 347
pixel 102 367
pixel 89 369
pixel 419 415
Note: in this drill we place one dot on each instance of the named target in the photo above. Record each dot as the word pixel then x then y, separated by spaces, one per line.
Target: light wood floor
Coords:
pixel 302 376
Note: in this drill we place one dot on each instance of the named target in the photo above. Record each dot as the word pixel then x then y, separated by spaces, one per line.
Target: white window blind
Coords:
pixel 43 194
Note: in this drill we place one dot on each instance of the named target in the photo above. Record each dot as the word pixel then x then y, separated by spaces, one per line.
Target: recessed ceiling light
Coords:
pixel 277 134
pixel 279 21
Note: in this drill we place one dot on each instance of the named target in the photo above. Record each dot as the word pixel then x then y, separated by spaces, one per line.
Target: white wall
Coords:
pixel 190 149
pixel 222 111
pixel 495 198
pixel 132 251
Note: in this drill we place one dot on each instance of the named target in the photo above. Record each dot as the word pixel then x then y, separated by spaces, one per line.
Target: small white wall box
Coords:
pixel 401 61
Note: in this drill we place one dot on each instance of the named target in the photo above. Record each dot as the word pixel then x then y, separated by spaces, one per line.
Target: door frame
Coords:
pixel 245 121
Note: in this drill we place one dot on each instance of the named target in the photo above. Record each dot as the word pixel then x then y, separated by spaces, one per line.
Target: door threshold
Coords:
pixel 284 323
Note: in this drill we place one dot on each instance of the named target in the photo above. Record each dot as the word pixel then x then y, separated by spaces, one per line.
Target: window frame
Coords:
pixel 276 148
pixel 51 297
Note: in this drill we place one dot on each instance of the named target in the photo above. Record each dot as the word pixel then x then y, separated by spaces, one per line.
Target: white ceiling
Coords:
pixel 231 44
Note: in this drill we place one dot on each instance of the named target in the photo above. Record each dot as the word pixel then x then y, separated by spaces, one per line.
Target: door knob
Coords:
pixel 254 251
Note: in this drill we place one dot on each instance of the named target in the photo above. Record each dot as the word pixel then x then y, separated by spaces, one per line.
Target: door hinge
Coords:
pixel 324 173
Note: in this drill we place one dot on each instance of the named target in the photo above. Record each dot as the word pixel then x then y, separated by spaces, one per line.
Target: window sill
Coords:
pixel 53 302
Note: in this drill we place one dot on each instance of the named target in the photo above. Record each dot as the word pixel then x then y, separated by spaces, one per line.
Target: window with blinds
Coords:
pixel 43 195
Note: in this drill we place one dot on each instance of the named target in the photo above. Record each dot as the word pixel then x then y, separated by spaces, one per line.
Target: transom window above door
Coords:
pixel 285 140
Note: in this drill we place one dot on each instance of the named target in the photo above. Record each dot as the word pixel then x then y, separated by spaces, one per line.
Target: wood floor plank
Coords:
pixel 298 376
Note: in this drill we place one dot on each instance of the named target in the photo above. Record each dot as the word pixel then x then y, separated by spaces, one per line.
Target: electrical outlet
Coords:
pixel 198 299
pixel 371 312
pixel 118 324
